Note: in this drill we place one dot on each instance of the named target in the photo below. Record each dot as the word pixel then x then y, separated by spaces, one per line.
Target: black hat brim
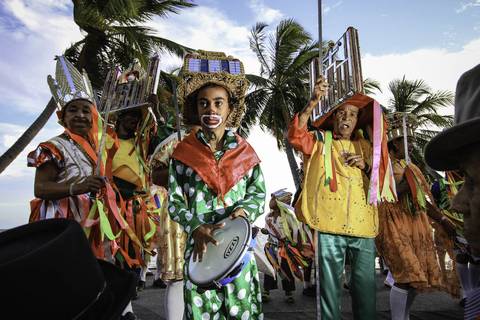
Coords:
pixel 445 150
pixel 119 290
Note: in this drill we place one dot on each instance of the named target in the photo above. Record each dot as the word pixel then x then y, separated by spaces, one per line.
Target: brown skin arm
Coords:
pixel 319 91
pixel 47 188
pixel 160 176
pixel 437 216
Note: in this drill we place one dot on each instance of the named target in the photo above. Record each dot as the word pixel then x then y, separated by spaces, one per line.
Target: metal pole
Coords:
pixel 317 240
pixel 177 110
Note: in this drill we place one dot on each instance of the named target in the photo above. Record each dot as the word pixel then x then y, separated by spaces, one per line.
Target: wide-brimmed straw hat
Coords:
pixel 206 67
pixel 445 149
pixel 48 271
pixel 363 102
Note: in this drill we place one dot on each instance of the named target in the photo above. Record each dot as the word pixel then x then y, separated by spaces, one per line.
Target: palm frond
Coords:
pixel 257 45
pixel 371 85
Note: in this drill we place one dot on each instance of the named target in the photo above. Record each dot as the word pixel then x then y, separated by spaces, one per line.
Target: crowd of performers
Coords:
pixel 141 189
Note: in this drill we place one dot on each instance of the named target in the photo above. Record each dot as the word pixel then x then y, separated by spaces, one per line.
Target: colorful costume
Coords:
pixel 128 92
pixel 406 238
pixel 338 201
pixel 76 158
pixel 171 238
pixel 289 239
pixel 206 187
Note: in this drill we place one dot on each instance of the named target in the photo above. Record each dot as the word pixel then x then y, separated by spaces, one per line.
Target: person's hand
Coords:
pixel 319 90
pixel 354 160
pixel 238 213
pixel 91 184
pixel 201 237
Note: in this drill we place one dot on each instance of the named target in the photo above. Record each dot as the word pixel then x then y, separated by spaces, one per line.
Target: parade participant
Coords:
pixel 458 148
pixel 66 165
pixel 443 190
pixel 335 201
pixel 171 237
pixel 215 174
pixel 290 238
pixel 405 240
pixel 130 101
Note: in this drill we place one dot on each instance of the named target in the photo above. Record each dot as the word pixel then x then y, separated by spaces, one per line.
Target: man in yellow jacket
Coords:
pixel 337 198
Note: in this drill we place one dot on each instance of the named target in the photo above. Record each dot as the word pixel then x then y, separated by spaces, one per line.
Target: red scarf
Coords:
pixel 219 176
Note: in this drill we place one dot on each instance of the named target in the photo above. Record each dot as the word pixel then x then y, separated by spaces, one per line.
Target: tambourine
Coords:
pixel 224 262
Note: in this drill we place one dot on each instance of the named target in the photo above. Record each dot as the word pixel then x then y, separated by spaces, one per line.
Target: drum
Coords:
pixel 223 263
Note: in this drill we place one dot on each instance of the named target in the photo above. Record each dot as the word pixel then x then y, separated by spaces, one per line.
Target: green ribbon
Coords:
pixel 153 229
pixel 105 227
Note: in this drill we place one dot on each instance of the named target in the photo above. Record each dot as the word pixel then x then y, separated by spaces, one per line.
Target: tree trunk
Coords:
pixel 27 136
pixel 293 164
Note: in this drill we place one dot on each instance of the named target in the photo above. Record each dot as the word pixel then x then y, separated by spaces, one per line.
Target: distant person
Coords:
pixel 458 148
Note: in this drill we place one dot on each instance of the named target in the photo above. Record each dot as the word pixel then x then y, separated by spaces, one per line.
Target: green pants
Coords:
pixel 238 300
pixel 361 253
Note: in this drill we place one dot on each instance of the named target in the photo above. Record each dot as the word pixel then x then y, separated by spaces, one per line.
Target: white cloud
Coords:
pixel 439 67
pixel 264 13
pixel 32 33
pixel 467 5
pixel 197 29
pixel 327 8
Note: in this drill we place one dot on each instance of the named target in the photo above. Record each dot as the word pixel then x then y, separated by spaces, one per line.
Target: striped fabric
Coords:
pixel 472 307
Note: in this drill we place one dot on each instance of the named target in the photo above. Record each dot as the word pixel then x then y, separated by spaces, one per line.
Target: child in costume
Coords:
pixel 215 174
pixel 406 237
pixel 344 178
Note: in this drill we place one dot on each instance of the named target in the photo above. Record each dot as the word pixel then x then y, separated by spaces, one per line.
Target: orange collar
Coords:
pixel 219 176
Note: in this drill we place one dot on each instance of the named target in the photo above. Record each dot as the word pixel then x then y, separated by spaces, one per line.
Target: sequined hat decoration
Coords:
pixel 206 67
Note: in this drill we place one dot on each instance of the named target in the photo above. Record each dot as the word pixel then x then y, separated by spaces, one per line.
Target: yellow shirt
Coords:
pixel 346 211
pixel 126 165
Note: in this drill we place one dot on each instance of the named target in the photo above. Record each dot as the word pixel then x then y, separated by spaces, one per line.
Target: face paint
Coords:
pixel 211 121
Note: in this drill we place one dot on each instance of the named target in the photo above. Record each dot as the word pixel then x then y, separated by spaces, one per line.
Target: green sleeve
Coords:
pixel 178 207
pixel 254 201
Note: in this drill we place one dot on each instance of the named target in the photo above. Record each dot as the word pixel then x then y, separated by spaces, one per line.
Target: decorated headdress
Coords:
pixel 341 67
pixel 69 84
pixel 131 88
pixel 401 124
pixel 207 67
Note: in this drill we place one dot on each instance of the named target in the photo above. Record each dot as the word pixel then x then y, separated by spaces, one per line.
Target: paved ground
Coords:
pixel 429 306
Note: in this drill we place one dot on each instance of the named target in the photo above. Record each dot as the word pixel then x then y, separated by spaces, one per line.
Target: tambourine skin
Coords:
pixel 224 260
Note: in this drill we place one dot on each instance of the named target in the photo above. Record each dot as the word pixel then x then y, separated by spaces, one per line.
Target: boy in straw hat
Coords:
pixel 458 148
pixel 405 240
pixel 215 174
pixel 337 197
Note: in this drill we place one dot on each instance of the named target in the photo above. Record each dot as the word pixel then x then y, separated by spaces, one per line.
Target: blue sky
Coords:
pixel 432 40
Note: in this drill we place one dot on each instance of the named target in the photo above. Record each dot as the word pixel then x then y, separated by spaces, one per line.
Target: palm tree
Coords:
pixel 370 86
pixel 281 89
pixel 417 98
pixel 114 34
